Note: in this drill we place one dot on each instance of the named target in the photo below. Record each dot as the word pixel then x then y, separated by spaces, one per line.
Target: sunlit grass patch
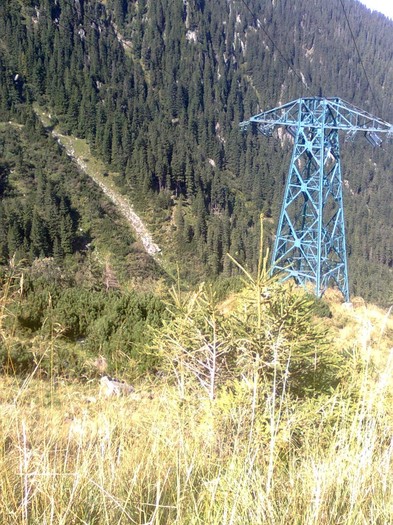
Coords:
pixel 165 459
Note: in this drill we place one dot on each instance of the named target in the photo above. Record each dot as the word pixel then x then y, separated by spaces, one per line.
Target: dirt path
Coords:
pixel 121 202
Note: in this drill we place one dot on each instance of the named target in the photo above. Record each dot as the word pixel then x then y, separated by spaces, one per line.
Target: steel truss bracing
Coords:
pixel 310 241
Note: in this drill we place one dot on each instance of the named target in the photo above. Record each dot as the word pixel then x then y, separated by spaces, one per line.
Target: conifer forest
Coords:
pixel 158 89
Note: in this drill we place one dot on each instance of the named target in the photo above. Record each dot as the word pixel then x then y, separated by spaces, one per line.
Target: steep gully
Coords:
pixel 121 203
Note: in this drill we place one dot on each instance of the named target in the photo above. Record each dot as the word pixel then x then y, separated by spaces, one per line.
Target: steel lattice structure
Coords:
pixel 310 241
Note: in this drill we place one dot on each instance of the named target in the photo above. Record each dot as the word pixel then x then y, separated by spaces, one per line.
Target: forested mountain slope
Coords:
pixel 158 88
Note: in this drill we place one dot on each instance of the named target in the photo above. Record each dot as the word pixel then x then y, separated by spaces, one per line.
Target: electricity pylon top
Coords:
pixel 310 241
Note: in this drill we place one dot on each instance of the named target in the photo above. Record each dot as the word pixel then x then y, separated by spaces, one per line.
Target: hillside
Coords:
pixel 158 89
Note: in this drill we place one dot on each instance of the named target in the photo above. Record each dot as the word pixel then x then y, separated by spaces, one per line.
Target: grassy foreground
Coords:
pixel 70 457
pixel 259 416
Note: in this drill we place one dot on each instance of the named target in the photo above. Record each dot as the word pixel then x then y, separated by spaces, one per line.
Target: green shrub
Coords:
pixel 272 334
pixel 269 337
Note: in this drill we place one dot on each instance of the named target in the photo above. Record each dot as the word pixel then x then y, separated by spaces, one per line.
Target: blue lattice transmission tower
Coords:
pixel 310 241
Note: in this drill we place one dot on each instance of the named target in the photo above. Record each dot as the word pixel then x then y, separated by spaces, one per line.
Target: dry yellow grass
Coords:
pixel 70 457
pixel 363 326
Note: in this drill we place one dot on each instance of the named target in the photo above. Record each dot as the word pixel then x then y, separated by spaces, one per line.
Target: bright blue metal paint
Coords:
pixel 310 241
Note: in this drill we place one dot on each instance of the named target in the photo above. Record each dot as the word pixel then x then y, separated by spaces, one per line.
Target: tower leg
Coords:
pixel 310 240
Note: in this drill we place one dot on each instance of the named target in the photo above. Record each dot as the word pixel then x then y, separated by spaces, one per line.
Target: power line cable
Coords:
pixel 359 55
pixel 281 54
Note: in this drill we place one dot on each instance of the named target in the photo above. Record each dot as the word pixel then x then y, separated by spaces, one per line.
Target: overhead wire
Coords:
pixel 288 63
pixel 280 53
pixel 363 67
pixel 362 64
pixel 297 74
pixel 260 25
pixel 360 56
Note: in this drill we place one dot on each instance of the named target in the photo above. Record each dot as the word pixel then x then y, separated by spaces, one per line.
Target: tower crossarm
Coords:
pixel 333 113
pixel 345 116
